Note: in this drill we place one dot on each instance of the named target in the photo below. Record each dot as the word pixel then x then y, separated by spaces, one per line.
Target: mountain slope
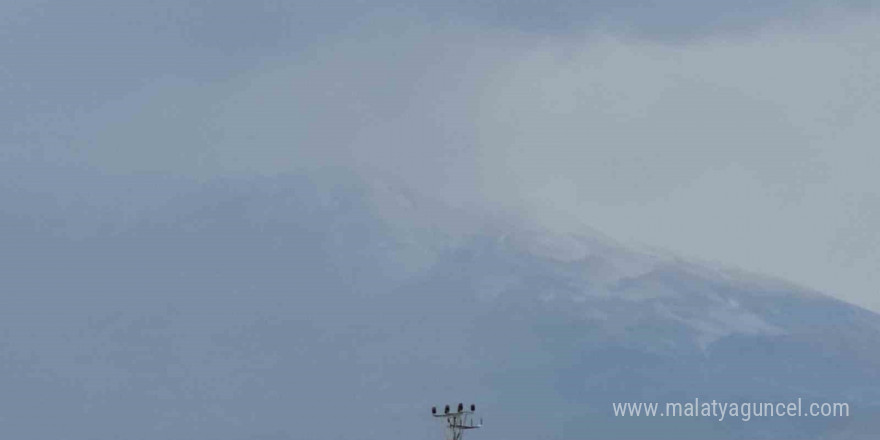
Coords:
pixel 277 307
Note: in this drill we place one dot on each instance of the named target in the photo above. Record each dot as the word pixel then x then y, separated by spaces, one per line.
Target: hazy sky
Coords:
pixel 737 132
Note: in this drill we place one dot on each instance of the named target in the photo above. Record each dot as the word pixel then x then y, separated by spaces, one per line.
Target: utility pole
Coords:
pixel 457 421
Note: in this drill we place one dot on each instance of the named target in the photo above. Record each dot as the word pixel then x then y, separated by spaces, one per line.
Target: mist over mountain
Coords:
pixel 322 305
pixel 280 219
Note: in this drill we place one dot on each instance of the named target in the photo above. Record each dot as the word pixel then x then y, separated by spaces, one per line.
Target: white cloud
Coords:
pixel 755 150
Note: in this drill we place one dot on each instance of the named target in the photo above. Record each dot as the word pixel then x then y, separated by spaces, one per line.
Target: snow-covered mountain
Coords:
pixel 297 307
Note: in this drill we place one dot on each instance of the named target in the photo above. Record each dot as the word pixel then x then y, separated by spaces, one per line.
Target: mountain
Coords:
pixel 329 306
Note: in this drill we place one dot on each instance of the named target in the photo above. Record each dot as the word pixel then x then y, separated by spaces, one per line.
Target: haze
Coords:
pixel 730 134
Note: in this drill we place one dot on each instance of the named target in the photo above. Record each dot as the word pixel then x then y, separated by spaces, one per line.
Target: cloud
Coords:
pixel 670 20
pixel 749 148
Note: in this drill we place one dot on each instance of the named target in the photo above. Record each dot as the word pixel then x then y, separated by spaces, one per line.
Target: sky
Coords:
pixel 730 132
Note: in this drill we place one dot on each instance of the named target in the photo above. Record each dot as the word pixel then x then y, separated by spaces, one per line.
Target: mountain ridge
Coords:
pixel 246 299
